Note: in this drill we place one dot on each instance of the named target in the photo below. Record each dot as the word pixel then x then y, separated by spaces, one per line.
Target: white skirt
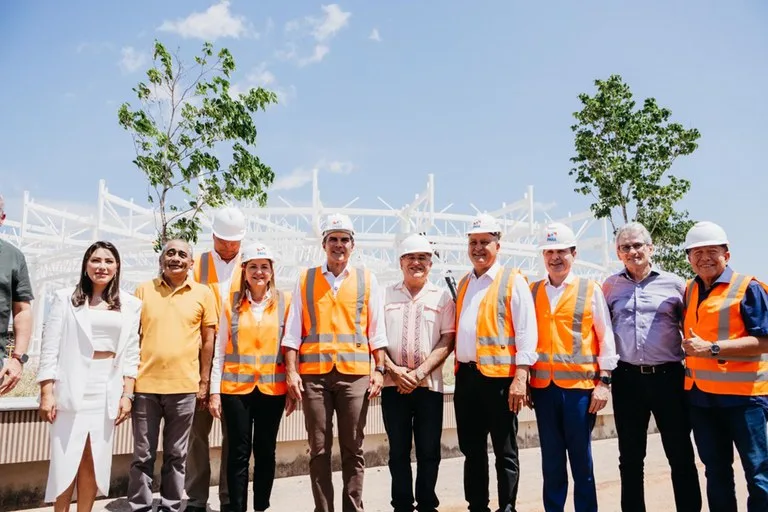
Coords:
pixel 70 430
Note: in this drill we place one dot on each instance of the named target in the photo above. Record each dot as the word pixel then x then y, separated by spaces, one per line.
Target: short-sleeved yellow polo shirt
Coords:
pixel 171 327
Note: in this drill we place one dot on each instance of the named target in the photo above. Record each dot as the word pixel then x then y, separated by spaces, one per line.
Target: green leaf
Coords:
pixel 622 159
pixel 177 141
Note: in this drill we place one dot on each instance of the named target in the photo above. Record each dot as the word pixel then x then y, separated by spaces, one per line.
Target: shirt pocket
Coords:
pixel 430 321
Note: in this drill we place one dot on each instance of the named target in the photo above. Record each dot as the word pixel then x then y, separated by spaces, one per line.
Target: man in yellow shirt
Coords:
pixel 177 313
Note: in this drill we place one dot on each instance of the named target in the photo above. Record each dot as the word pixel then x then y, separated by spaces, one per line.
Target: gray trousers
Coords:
pixel 198 479
pixel 176 411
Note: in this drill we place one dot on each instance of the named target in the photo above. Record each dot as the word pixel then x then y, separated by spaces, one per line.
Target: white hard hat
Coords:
pixel 414 244
pixel 256 251
pixel 229 224
pixel 484 223
pixel 705 233
pixel 338 222
pixel 557 236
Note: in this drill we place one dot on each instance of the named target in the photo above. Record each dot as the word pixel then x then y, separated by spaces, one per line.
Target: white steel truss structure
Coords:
pixel 54 240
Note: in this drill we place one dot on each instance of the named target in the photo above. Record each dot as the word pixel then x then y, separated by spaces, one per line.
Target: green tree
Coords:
pixel 622 157
pixel 187 116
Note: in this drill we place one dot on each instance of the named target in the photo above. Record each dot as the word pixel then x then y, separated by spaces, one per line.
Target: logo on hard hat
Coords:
pixel 336 222
pixel 551 236
pixel 476 223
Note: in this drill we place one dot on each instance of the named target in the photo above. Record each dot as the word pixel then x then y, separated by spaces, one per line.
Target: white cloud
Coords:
pixel 131 60
pixel 300 176
pixel 321 51
pixel 260 76
pixel 320 28
pixel 375 36
pixel 334 20
pixel 214 23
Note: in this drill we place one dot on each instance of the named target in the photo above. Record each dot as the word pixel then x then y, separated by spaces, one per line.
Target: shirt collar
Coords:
pixel 159 281
pixel 624 272
pixel 725 277
pixel 490 273
pixel 267 296
pixel 217 257
pixel 325 270
pixel 568 280
pixel 428 287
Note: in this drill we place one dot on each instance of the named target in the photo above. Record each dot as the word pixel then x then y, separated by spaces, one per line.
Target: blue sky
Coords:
pixel 479 93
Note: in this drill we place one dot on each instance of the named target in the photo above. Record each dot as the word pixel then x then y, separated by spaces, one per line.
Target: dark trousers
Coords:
pixel 417 417
pixel 658 391
pixel 252 421
pixel 716 430
pixel 482 407
pixel 565 426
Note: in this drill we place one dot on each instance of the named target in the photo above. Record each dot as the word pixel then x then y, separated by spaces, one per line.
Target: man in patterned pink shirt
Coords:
pixel 420 321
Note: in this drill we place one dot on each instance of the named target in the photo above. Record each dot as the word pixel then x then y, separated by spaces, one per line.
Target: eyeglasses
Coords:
pixel 625 248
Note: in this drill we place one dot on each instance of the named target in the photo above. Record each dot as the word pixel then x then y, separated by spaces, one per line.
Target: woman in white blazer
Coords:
pixel 88 365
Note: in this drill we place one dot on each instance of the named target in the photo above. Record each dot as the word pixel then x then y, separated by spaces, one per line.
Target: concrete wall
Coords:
pixel 24 451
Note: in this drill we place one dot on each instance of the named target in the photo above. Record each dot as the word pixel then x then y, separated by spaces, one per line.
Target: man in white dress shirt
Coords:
pixel 220 270
pixel 335 323
pixel 495 347
pixel 571 380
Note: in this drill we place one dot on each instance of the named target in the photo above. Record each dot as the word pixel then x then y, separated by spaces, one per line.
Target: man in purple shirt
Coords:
pixel 646 311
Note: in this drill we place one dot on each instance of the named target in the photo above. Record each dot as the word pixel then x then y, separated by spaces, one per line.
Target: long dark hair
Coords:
pixel 84 290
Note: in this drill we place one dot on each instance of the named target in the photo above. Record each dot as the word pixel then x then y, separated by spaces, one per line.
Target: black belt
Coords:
pixel 472 365
pixel 650 369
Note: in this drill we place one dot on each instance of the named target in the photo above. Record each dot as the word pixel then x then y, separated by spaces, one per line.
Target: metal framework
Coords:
pixel 53 240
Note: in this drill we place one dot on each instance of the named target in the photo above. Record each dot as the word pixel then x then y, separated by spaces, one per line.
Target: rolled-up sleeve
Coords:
pixel 377 332
pixel 524 319
pixel 222 338
pixel 607 359
pixel 292 337
pixel 447 314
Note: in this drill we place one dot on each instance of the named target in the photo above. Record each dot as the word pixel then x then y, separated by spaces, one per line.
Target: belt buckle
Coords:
pixel 472 364
pixel 647 370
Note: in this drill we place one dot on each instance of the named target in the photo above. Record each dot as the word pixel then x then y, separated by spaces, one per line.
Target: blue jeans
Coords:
pixel 565 425
pixel 716 430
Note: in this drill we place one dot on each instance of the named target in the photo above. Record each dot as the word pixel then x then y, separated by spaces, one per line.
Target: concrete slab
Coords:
pixel 293 493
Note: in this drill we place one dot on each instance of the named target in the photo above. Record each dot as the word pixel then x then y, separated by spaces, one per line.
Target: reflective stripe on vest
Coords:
pixel 718 318
pixel 205 265
pixel 271 376
pixel 321 351
pixel 500 362
pixel 571 369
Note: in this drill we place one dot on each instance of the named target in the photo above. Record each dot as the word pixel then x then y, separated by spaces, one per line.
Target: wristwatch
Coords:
pixel 420 374
pixel 129 396
pixel 381 369
pixel 22 358
pixel 714 349
pixel 606 380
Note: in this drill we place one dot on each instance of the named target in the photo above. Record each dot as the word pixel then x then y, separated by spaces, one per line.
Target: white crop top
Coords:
pixel 105 327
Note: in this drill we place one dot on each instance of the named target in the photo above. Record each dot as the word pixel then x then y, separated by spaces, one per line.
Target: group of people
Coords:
pixel 213 337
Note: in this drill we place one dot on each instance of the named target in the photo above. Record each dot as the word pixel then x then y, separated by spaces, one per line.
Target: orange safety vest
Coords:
pixel 495 331
pixel 253 356
pixel 718 318
pixel 568 344
pixel 334 329
pixel 204 271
